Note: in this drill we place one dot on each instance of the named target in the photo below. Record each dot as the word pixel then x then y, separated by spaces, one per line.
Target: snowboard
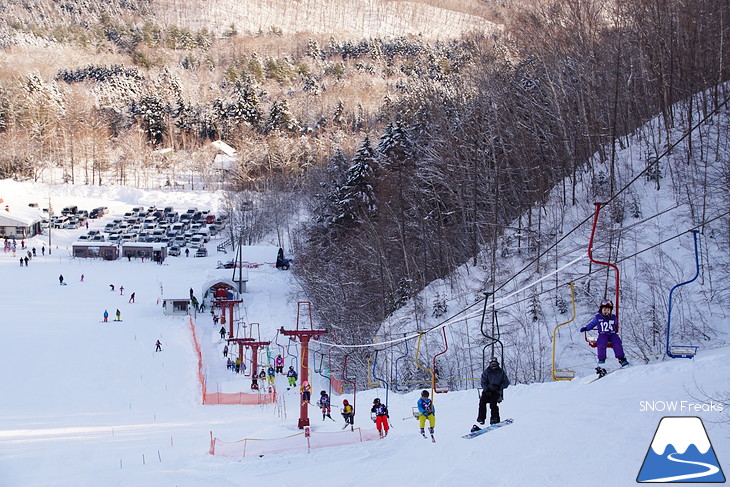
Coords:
pixel 603 373
pixel 489 428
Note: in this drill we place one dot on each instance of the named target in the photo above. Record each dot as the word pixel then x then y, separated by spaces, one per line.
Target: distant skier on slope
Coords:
pixel 607 324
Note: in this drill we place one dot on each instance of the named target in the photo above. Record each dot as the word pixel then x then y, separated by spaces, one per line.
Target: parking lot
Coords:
pixel 181 231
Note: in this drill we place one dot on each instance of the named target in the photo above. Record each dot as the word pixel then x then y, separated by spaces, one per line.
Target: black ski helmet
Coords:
pixel 424 393
pixel 323 393
pixel 376 400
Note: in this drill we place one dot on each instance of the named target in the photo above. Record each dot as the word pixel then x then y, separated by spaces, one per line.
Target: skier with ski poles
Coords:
pixel 324 404
pixel 348 412
pixel 381 417
pixel 427 412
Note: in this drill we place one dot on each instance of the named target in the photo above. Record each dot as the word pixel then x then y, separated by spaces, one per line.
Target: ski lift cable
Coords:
pixel 649 167
pixel 454 320
pixel 627 257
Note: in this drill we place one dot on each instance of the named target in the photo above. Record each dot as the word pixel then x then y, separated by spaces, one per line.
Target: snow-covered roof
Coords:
pixel 148 245
pixel 14 215
pixel 223 147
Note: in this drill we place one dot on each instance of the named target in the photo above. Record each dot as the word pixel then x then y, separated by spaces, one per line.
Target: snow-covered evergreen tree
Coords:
pixel 281 118
pixel 356 197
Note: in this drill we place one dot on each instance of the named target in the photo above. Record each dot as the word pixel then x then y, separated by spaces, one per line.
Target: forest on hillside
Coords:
pixel 410 156
pixel 463 159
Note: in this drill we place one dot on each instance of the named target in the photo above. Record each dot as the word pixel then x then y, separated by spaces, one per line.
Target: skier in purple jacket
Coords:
pixel 607 324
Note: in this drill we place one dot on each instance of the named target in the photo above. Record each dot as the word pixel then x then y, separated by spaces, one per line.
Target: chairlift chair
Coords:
pixel 563 374
pixel 593 339
pixel 398 387
pixel 682 351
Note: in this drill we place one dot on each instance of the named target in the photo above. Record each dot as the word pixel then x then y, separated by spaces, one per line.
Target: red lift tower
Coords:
pixel 227 303
pixel 304 336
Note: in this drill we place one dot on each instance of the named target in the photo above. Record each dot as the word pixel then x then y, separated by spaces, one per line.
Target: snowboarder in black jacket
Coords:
pixel 494 382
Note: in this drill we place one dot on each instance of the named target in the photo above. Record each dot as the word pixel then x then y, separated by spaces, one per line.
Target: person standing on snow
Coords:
pixel 106 316
pixel 607 324
pixel 131 298
pixel 119 315
pixel 381 417
pixel 494 381
pixel 427 412
pixel 60 279
pixel 158 346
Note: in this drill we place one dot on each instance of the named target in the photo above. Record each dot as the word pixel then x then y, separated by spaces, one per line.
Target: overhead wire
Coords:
pixel 649 167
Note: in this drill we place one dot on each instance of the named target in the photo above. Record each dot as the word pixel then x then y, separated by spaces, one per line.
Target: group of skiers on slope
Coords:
pixel 493 382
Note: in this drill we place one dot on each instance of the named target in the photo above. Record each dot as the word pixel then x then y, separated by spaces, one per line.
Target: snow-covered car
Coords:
pixel 201 252
pixel 173 251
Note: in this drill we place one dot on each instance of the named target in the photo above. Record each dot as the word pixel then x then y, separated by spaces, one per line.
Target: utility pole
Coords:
pixel 50 224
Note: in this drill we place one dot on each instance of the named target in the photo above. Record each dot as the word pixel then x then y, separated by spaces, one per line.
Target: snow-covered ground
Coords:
pixel 89 403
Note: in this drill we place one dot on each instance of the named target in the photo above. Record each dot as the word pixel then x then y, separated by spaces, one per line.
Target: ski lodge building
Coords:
pixel 19 221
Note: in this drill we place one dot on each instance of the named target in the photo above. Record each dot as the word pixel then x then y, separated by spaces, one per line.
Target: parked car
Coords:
pixel 201 252
pixel 174 251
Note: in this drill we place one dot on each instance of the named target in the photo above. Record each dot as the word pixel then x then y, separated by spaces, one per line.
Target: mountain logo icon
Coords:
pixel 681 452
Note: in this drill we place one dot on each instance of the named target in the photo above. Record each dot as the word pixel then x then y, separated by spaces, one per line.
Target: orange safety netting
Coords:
pixel 300 441
pixel 226 397
pixel 239 398
pixel 336 385
pixel 200 360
